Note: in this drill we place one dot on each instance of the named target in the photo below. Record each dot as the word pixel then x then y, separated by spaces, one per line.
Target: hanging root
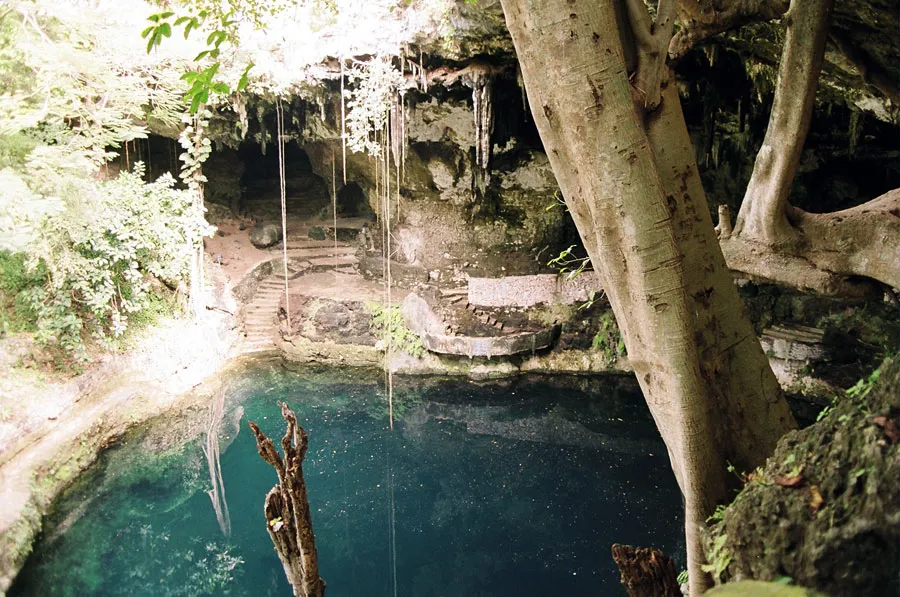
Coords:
pixel 213 460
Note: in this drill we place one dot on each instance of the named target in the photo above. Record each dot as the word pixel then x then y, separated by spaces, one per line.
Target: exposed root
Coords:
pixel 828 253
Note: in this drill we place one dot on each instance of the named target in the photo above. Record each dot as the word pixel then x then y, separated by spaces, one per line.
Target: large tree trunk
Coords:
pixel 631 184
pixel 774 241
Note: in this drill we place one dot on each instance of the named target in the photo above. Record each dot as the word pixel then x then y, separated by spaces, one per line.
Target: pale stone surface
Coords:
pixel 527 291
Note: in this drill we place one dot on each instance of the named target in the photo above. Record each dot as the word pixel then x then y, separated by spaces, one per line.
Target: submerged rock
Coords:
pixel 825 509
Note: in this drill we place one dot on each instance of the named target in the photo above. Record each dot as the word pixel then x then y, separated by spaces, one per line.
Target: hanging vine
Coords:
pixel 197 148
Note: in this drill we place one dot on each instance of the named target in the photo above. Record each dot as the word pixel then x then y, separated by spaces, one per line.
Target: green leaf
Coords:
pixel 214 53
pixel 165 29
pixel 154 18
pixel 220 88
pixel 181 20
pixel 242 82
pixel 201 55
pixel 166 15
pixel 147 31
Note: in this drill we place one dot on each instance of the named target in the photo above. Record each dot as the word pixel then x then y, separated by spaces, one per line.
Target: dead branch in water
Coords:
pixel 288 519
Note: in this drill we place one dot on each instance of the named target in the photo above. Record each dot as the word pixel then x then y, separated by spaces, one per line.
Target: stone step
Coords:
pixel 255 349
pixel 333 261
pixel 266 302
pixel 320 251
pixel 301 243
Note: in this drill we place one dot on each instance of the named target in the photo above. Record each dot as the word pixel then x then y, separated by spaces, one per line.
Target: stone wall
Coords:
pixel 526 291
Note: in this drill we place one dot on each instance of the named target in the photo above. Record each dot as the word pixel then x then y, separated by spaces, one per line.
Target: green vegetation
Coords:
pixel 80 255
pixel 608 338
pixel 719 558
pixel 87 266
pixel 388 322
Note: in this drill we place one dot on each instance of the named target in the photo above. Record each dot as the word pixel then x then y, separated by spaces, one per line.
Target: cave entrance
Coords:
pixel 307 195
pixel 352 202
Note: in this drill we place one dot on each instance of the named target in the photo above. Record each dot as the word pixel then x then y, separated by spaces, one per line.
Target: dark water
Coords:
pixel 512 489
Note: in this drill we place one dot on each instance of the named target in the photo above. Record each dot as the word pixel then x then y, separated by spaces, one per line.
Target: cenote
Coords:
pixel 514 487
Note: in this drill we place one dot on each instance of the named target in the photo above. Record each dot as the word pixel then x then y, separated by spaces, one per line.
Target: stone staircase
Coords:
pixel 261 313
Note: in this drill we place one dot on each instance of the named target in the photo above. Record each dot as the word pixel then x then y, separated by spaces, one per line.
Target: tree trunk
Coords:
pixel 771 240
pixel 631 184
pixel 763 214
pixel 288 519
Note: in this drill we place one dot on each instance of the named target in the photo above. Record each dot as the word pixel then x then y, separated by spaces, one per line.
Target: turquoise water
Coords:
pixel 499 489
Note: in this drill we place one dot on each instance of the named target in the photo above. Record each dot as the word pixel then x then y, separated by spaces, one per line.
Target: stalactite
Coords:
pixel 422 72
pixel 240 108
pixel 405 145
pixel 396 134
pixel 483 108
pixel 263 134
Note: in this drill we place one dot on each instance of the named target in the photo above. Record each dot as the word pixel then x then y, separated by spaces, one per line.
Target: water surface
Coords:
pixel 501 489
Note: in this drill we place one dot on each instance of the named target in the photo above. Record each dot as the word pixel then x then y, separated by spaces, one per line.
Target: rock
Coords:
pixel 217 214
pixel 753 588
pixel 265 235
pixel 317 233
pixel 825 509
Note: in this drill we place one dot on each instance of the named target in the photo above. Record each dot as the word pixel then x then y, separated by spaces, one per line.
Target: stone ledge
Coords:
pixel 421 319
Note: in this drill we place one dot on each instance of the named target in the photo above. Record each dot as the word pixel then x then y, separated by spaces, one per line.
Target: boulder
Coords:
pixel 265 235
pixel 825 510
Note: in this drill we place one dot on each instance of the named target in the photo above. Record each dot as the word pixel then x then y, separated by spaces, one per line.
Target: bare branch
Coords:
pixel 701 20
pixel 641 25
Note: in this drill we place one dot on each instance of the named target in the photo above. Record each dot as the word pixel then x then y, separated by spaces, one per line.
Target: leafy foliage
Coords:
pixel 566 261
pixel 388 321
pixel 88 265
pixel 608 338
pixel 374 87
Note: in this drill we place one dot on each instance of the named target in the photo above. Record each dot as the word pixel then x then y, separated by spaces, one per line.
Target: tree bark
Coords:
pixel 288 518
pixel 646 572
pixel 630 182
pixel 701 19
pixel 774 241
pixel 763 213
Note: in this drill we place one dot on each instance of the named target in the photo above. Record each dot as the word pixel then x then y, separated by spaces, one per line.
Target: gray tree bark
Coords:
pixel 629 179
pixel 774 241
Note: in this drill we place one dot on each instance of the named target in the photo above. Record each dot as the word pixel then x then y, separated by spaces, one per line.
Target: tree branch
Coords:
pixel 652 40
pixel 701 20
pixel 639 19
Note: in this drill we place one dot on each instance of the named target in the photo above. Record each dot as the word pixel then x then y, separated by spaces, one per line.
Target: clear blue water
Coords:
pixel 500 489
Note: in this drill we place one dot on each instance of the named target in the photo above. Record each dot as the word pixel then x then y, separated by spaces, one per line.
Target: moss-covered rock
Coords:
pixel 825 509
pixel 753 588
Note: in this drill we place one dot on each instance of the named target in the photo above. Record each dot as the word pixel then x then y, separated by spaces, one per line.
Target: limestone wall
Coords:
pixel 526 291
